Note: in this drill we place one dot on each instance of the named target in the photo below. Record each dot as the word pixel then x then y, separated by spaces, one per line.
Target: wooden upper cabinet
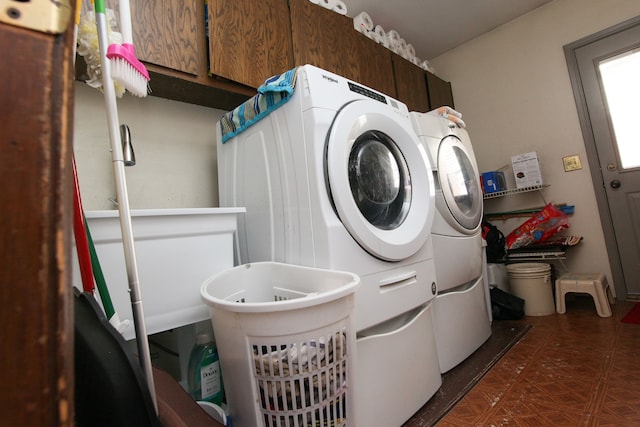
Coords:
pixel 249 40
pixel 440 92
pixel 411 84
pixel 328 40
pixel 170 33
pixel 167 33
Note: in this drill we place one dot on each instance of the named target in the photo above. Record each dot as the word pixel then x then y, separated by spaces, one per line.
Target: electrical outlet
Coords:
pixel 572 163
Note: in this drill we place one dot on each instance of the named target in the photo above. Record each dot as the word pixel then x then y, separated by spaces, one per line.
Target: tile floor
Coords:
pixel 573 369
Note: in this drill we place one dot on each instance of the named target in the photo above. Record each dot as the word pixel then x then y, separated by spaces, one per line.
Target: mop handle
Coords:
pixel 79 227
pixel 98 275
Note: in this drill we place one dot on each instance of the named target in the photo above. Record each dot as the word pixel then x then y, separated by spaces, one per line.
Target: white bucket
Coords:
pixel 532 282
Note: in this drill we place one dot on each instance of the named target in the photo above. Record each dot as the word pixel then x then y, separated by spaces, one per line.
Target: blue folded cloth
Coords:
pixel 273 93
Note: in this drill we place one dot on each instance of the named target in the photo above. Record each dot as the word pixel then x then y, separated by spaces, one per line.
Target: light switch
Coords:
pixel 572 163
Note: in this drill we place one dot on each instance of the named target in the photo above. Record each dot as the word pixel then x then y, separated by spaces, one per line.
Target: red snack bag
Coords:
pixel 538 228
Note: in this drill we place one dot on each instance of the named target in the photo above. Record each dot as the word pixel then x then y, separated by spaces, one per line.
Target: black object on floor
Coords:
pixel 505 306
pixel 458 381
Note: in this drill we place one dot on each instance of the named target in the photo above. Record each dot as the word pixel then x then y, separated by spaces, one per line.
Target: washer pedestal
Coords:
pixel 384 352
pixel 461 324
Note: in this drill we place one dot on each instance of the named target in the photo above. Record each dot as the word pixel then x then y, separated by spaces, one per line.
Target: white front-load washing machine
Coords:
pixel 461 318
pixel 336 178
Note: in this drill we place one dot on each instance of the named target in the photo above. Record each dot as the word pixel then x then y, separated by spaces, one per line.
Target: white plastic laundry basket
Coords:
pixel 286 343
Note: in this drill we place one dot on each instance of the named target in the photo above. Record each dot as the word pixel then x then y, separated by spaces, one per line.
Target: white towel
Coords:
pixel 449 114
pixel 373 36
pixel 380 32
pixel 363 22
pixel 328 4
pixel 340 8
pixel 411 51
pixel 427 66
pixel 394 38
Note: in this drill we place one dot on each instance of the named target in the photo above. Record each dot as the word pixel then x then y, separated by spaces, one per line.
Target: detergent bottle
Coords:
pixel 204 375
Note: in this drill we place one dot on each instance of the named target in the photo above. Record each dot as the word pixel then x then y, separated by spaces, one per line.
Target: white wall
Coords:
pixel 175 146
pixel 513 89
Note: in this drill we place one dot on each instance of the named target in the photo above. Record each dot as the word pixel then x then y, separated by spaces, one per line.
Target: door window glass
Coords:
pixel 379 180
pixel 621 85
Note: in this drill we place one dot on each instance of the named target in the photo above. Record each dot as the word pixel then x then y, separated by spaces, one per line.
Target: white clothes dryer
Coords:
pixel 461 317
pixel 336 178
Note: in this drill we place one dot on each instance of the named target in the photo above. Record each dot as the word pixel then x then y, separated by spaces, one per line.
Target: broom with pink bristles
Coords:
pixel 126 69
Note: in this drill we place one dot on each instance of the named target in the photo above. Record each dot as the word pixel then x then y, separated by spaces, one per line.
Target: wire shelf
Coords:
pixel 513 191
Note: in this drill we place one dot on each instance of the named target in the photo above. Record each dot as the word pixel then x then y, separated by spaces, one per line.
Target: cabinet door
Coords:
pixel 411 84
pixel 170 33
pixel 249 40
pixel 328 40
pixel 439 92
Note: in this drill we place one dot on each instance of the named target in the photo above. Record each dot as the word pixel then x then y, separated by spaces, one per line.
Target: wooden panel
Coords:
pixel 207 92
pixel 411 84
pixel 328 40
pixel 439 92
pixel 249 40
pixel 36 112
pixel 170 33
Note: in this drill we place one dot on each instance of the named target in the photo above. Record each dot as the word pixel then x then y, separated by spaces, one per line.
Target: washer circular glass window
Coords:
pixel 379 180
pixel 460 183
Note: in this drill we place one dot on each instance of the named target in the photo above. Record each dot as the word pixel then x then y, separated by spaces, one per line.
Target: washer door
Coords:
pixel 460 183
pixel 379 180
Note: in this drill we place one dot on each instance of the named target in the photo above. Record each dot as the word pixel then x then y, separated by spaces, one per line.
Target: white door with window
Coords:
pixel 606 73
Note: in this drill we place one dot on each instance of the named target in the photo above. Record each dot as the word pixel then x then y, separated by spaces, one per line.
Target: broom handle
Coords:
pixel 123 202
pixel 125 22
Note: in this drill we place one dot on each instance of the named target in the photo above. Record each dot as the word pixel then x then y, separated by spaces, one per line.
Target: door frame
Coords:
pixel 590 147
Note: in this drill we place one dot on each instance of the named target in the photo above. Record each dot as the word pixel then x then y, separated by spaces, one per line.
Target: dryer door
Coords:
pixel 460 183
pixel 379 180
